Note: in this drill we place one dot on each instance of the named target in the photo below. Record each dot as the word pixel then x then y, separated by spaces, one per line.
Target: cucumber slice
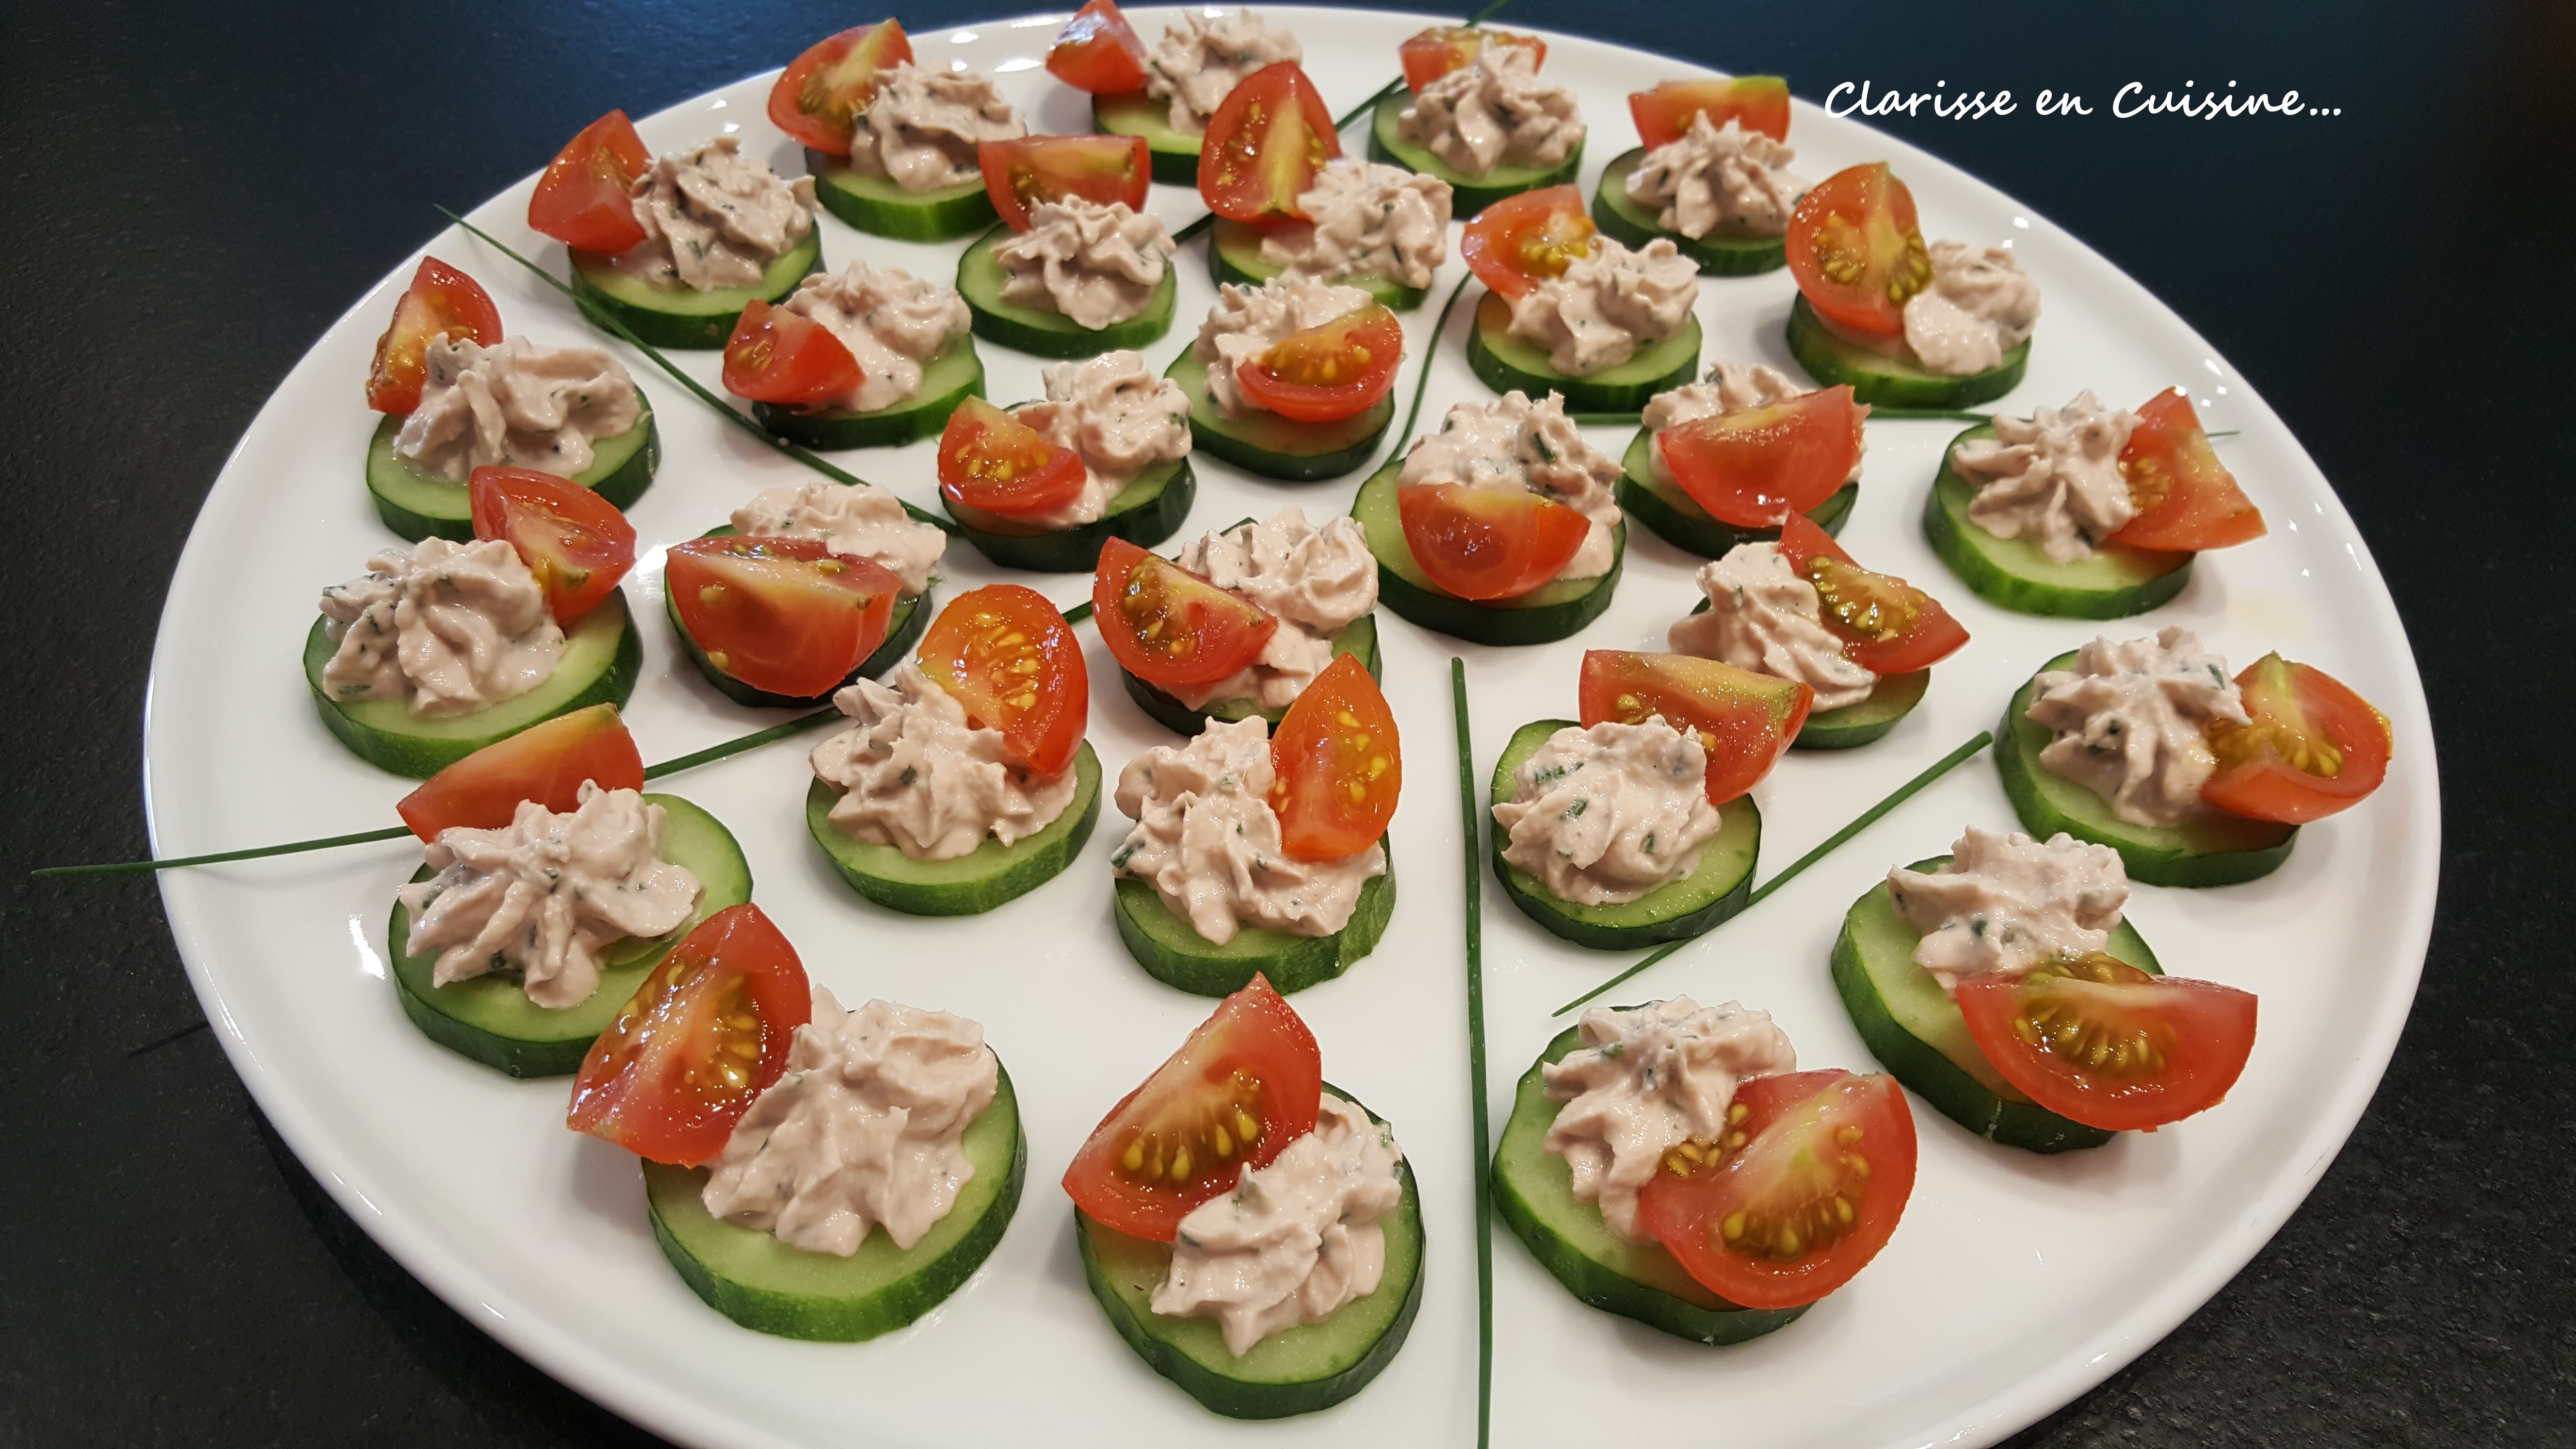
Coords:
pixel 1858 724
pixel 1234 255
pixel 1173 952
pixel 879 205
pixel 490 1019
pixel 1717 255
pixel 1042 333
pixel 2215 850
pixel 971 883
pixel 1468 194
pixel 772 1287
pixel 1677 518
pixel 1145 512
pixel 1549 612
pixel 1273 446
pixel 903 629
pixel 1505 363
pixel 1175 154
pixel 947 379
pixel 2115 582
pixel 683 316
pixel 1534 1194
pixel 1917 1033
pixel 1719 888
pixel 1360 638
pixel 418 504
pixel 1294 1371
pixel 1876 377
pixel 602 655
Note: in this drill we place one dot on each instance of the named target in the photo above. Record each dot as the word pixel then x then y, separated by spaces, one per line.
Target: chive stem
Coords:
pixel 1934 415
pixel 1468 820
pixel 1430 352
pixel 1078 612
pixel 752 741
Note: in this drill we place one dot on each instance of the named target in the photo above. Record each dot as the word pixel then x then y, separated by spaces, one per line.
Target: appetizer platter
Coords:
pixel 1212 407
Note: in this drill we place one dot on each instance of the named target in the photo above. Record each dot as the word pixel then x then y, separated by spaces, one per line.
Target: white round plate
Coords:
pixel 2015 1281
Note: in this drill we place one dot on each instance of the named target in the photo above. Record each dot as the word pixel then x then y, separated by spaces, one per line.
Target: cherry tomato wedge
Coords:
pixel 1329 372
pixel 1488 543
pixel 1247 1083
pixel 576 542
pixel 778 356
pixel 993 462
pixel 1337 765
pixel 1098 51
pixel 1007 656
pixel 1743 720
pixel 584 199
pixel 2186 499
pixel 1168 626
pixel 2098 1041
pixel 545 762
pixel 1018 174
pixel 440 299
pixel 1856 250
pixel 706 1033
pixel 819 97
pixel 1265 144
pixel 1755 102
pixel 786 615
pixel 1520 241
pixel 1444 48
pixel 1803 1190
pixel 1755 466
pixel 2314 747
pixel 1888 625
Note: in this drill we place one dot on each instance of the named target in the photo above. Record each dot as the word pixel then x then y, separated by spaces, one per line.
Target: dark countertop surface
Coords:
pixel 200 190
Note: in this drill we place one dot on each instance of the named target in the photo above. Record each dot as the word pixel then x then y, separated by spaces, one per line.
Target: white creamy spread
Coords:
pixel 1606 305
pixel 546 894
pixel 2007 903
pixel 863 1130
pixel 514 405
pixel 858 520
pixel 1201 59
pixel 1494 111
pixel 1096 263
pixel 450 626
pixel 1207 840
pixel 1731 387
pixel 1724 180
pixel 1366 219
pixel 924 125
pixel 913 774
pixel 1643 1082
pixel 1247 322
pixel 890 320
pixel 1315 581
pixel 1295 1240
pixel 2053 477
pixel 1603 815
pixel 2132 723
pixel 1513 443
pixel 1120 417
pixel 1762 616
pixel 714 217
pixel 1980 305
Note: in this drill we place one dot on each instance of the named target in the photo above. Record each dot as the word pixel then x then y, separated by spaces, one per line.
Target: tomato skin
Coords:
pixel 1254 1055
pixel 1914 631
pixel 1757 466
pixel 576 543
pixel 2187 500
pixel 1098 51
pixel 1337 765
pixel 820 96
pixel 545 762
pixel 1743 720
pixel 1325 373
pixel 2199 1031
pixel 778 356
pixel 1168 626
pixel 1755 102
pixel 1018 174
pixel 440 299
pixel 1856 250
pixel 2303 720
pixel 638 1086
pixel 975 650
pixel 1488 543
pixel 785 615
pixel 993 462
pixel 1265 144
pixel 583 200
pixel 1444 48
pixel 1520 241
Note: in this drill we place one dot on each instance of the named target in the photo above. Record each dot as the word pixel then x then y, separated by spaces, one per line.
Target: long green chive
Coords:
pixel 1468 818
pixel 1928 415
pixel 1430 353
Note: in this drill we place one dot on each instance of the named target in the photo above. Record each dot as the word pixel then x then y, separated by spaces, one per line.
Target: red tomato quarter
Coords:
pixel 1336 764
pixel 584 199
pixel 2098 1041
pixel 545 762
pixel 1856 250
pixel 778 356
pixel 1012 661
pixel 1888 626
pixel 1742 719
pixel 576 543
pixel 1099 52
pixel 992 462
pixel 440 299
pixel 1168 626
pixel 1265 144
pixel 1520 241
pixel 1444 48
pixel 1755 102
pixel 2186 499
pixel 2314 747
pixel 1488 543
pixel 786 615
pixel 1018 174
pixel 1329 372
pixel 820 96
pixel 1755 466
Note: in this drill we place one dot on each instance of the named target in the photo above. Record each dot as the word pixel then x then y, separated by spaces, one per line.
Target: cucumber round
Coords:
pixel 1718 255
pixel 602 655
pixel 1148 510
pixel 1854 725
pixel 1917 1033
pixel 685 316
pixel 1534 1195
pixel 880 205
pixel 947 379
pixel 769 1286
pixel 490 1019
pixel 1360 639
pixel 1234 255
pixel 2215 850
pixel 1677 518
pixel 2115 582
pixel 1294 1371
pixel 416 503
pixel 1688 907
pixel 1263 442
pixel 1549 612
pixel 1173 952
pixel 970 884
pixel 1876 377
pixel 903 628
pixel 1468 194
pixel 1045 333
pixel 1175 154
pixel 1506 363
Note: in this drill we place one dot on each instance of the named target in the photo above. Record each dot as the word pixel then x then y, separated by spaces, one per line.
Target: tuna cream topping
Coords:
pixel 1604 815
pixel 1207 840
pixel 863 1130
pixel 1512 442
pixel 452 627
pixel 1731 387
pixel 913 774
pixel 1369 220
pixel 1294 1240
pixel 1980 305
pixel 922 129
pixel 1097 264
pixel 1645 1081
pixel 1202 58
pixel 2132 723
pixel 1121 418
pixel 1315 581
pixel 2053 477
pixel 890 320
pixel 713 218
pixel 545 895
pixel 1608 304
pixel 1494 111
pixel 1763 617
pixel 1247 322
pixel 515 405
pixel 858 520
pixel 2006 903
pixel 1724 180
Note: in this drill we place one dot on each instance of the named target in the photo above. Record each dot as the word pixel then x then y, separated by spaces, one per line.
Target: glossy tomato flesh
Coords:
pixel 1010 659
pixel 1755 466
pixel 1265 144
pixel 786 615
pixel 1743 720
pixel 2314 747
pixel 994 463
pixel 440 299
pixel 2100 1042
pixel 576 543
pixel 2186 499
pixel 583 200
pixel 1520 241
pixel 1856 250
pixel 1488 543
pixel 820 96
pixel 1336 370
pixel 1020 173
pixel 1099 52
pixel 778 356
pixel 1336 765
pixel 1168 626
pixel 1444 48
pixel 1887 625
pixel 545 762
pixel 1755 102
